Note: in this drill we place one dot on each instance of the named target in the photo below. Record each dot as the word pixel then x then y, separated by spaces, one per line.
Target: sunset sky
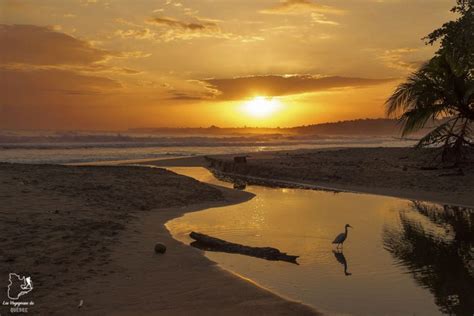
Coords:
pixel 118 64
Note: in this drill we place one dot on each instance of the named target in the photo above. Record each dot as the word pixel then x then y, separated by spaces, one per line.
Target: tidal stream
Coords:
pixel 402 257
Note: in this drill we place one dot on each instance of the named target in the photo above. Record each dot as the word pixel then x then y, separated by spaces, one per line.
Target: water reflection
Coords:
pixel 437 249
pixel 339 255
pixel 305 222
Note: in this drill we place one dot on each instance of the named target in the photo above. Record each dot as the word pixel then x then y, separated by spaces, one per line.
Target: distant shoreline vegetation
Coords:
pixel 350 128
pixel 369 127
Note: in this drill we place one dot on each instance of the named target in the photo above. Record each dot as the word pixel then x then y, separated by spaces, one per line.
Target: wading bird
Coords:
pixel 339 240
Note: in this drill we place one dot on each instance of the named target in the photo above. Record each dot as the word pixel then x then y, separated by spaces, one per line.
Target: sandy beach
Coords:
pixel 86 234
pixel 399 172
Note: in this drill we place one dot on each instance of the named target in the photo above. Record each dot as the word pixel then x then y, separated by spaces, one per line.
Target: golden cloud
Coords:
pixel 300 6
pixel 401 58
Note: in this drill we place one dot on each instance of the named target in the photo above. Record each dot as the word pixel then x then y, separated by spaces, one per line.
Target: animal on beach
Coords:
pixel 339 240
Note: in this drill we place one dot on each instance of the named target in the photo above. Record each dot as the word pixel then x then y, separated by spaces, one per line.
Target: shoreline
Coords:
pixel 94 230
pixel 219 291
pixel 269 169
pixel 338 189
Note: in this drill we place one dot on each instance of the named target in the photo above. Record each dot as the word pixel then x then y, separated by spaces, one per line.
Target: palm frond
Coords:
pixel 422 88
pixel 400 100
pixel 437 135
pixel 415 119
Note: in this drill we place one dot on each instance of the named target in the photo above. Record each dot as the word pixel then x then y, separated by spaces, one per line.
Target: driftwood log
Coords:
pixel 208 243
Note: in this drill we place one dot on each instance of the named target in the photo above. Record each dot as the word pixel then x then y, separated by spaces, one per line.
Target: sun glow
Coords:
pixel 262 106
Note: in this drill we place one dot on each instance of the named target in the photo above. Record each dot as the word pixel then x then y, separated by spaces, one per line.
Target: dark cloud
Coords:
pixel 39 45
pixel 171 29
pixel 41 69
pixel 191 26
pixel 190 96
pixel 184 96
pixel 38 87
pixel 51 98
pixel 273 85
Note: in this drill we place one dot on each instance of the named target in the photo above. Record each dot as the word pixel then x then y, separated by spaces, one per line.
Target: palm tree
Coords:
pixel 440 91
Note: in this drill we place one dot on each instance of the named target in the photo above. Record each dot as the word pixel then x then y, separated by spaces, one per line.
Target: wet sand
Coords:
pixel 180 282
pixel 87 234
pixel 399 172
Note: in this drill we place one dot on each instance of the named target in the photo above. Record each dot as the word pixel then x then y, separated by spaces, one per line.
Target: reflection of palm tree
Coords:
pixel 339 255
pixel 440 264
pixel 458 220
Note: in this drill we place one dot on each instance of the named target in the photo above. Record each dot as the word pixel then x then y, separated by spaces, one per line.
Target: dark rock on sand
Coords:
pixel 160 248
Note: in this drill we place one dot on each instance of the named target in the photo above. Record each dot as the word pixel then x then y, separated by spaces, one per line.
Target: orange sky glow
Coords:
pixel 118 64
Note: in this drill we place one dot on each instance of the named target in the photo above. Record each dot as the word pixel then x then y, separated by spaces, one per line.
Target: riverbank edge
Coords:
pixel 328 187
pixel 49 194
pixel 224 161
pixel 183 271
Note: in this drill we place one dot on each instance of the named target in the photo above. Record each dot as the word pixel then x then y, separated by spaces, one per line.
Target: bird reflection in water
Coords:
pixel 339 255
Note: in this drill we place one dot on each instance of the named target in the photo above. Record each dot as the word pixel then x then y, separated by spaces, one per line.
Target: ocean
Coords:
pixel 48 147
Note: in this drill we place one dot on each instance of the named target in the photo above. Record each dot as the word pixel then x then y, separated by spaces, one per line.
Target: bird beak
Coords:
pixel 351 227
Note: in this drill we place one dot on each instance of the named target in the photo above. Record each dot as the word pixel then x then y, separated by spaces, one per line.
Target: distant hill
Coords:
pixel 359 127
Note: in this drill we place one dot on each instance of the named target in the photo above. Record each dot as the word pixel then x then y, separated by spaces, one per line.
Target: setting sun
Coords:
pixel 262 106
